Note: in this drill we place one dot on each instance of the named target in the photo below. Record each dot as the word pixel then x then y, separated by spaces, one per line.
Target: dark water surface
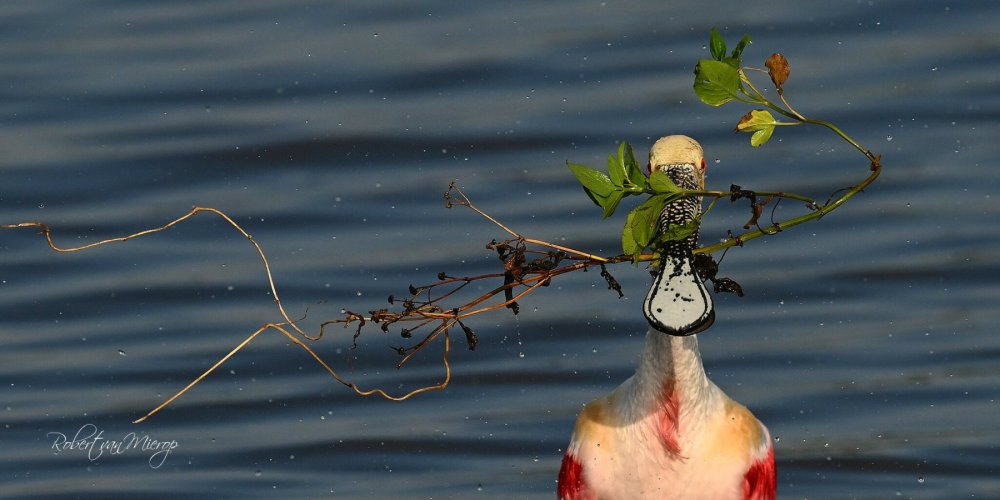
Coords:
pixel 867 342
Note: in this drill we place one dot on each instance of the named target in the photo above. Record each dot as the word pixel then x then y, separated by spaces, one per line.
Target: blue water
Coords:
pixel 866 341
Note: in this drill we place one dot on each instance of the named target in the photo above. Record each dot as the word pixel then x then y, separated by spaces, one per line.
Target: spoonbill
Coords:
pixel 668 432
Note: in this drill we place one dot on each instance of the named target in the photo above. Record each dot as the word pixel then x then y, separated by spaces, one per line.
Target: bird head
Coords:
pixel 678 303
pixel 678 150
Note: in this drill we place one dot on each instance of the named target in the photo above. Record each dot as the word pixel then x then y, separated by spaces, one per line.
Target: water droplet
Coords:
pixel 888 138
pixel 257 473
pixel 121 352
pixel 920 479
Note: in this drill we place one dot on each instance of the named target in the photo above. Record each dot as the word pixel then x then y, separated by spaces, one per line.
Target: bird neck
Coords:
pixel 671 366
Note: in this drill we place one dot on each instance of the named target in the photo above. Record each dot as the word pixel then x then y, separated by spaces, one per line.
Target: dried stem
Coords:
pixel 464 201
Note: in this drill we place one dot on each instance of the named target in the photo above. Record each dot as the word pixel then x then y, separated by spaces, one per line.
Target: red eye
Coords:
pixel 649 168
pixel 703 165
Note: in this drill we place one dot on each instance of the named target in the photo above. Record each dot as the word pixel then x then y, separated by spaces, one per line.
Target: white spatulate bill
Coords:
pixel 678 303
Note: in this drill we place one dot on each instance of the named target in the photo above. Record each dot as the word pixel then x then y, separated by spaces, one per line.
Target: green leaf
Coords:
pixel 640 226
pixel 661 183
pixel 633 172
pixel 616 171
pixel 717 45
pixel 629 246
pixel 676 232
pixel 611 203
pixel 597 185
pixel 759 121
pixel 738 51
pixel 760 137
pixel 624 169
pixel 716 82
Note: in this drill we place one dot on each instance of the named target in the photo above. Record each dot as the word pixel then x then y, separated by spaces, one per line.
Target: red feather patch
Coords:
pixel 761 481
pixel 572 485
pixel 668 419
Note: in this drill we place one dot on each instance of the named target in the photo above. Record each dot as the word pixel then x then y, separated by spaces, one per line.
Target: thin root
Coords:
pixel 282 327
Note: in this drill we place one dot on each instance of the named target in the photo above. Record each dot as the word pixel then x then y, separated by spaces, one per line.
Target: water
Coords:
pixel 866 341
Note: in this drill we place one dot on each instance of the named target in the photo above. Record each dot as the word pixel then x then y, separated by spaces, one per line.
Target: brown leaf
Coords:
pixel 777 67
pixel 746 118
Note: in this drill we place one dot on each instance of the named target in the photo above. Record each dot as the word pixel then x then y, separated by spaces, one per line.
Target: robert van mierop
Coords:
pixel 91 440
